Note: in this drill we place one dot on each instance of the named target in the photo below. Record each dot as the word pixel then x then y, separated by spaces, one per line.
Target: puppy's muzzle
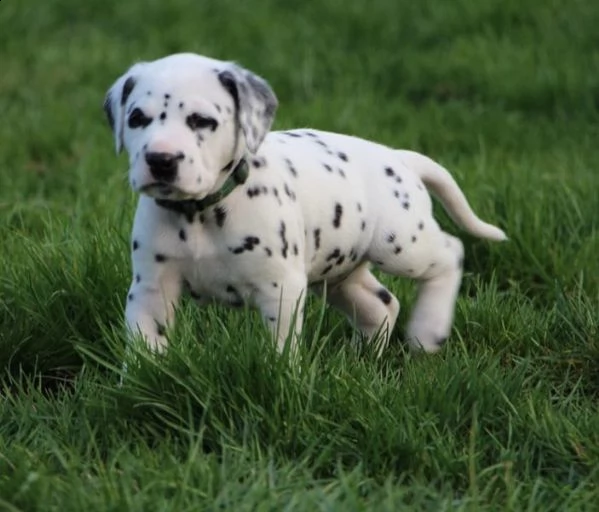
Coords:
pixel 164 166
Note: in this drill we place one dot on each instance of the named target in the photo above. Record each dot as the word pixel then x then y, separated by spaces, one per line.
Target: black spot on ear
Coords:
pixel 160 258
pixel 227 80
pixel 108 110
pixel 127 89
pixel 385 296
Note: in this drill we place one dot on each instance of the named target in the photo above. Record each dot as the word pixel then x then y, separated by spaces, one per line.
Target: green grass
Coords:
pixel 504 93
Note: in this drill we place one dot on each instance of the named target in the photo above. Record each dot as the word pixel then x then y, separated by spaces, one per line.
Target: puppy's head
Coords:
pixel 184 120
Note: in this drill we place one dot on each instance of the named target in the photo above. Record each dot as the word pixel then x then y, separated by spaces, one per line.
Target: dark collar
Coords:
pixel 190 207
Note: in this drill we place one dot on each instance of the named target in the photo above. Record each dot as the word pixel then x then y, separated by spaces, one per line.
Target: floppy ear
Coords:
pixel 255 103
pixel 114 104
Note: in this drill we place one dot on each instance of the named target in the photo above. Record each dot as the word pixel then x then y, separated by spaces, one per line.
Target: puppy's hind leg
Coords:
pixel 432 317
pixel 367 303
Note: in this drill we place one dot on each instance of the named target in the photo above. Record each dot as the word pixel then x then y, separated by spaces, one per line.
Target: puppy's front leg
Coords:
pixel 282 307
pixel 152 298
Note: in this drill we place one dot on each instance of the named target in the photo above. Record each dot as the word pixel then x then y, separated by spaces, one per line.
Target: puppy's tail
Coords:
pixel 443 186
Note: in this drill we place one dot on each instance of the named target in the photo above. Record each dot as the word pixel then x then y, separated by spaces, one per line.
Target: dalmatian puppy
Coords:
pixel 232 212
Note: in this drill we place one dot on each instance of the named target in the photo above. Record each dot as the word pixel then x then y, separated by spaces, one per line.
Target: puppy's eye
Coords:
pixel 197 121
pixel 138 119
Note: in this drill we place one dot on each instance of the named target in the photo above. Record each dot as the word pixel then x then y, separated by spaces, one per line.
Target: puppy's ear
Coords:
pixel 255 103
pixel 115 101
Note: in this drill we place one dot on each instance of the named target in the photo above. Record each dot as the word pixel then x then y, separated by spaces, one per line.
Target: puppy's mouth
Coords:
pixel 164 191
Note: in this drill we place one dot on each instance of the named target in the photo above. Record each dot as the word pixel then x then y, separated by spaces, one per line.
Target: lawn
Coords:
pixel 503 93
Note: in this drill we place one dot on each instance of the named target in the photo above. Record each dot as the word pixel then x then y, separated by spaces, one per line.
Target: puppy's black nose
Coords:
pixel 164 166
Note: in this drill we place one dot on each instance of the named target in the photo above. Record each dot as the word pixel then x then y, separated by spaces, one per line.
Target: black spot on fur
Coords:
pixel 440 342
pixel 398 179
pixel 385 296
pixel 291 167
pixel 135 245
pixel 311 134
pixel 391 238
pixel 137 278
pixel 130 297
pixel 217 107
pixel 250 242
pixel 220 215
pixel 285 243
pixel 363 226
pixel 181 105
pixel 396 193
pixel 421 225
pixel 359 207
pixel 275 191
pixel 275 285
pixel 292 134
pixel 317 238
pixel 334 255
pixel 338 214
pixel 258 162
pixel 162 116
pixel 397 249
pixel 182 235
pixel 406 205
pixel 202 218
pixel 341 173
pixel 341 259
pixel 327 269
pixel 389 172
pixel 160 329
pixel 195 295
pixel 272 319
pixel 268 251
pixel 328 167
pixel 256 191
pixel 353 254
pixel 295 250
pixel 127 89
pixel 342 155
pixel 160 258
pixel 414 238
pixel 290 192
